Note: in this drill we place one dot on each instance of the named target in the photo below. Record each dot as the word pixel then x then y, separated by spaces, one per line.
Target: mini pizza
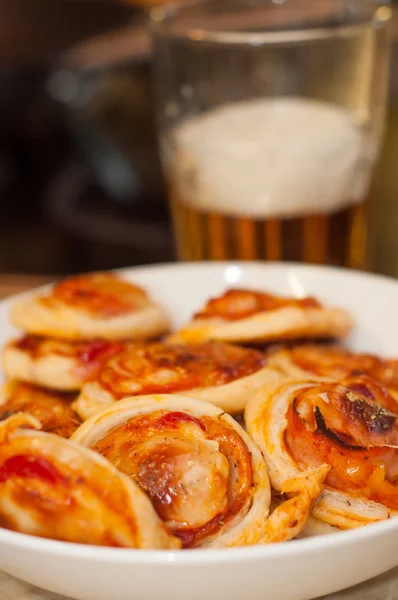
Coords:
pixel 206 478
pixel 249 316
pixel 57 364
pixel 53 488
pixel 52 410
pixel 92 306
pixel 351 425
pixel 336 363
pixel 220 373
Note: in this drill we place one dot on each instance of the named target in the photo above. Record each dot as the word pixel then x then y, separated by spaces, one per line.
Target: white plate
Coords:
pixel 297 570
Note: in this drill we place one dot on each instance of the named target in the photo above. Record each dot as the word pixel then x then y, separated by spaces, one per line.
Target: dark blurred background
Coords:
pixel 80 182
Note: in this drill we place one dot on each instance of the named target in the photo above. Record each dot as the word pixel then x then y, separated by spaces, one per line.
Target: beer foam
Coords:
pixel 280 157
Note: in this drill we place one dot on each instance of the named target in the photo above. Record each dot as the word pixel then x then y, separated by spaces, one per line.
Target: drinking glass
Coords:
pixel 271 116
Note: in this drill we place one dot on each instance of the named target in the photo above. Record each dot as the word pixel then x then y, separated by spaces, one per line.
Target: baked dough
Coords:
pixel 315 527
pixel 53 410
pixel 205 476
pixel 57 364
pixel 220 373
pixel 91 306
pixel 54 488
pixel 350 425
pixel 250 316
pixel 335 363
pixel 312 526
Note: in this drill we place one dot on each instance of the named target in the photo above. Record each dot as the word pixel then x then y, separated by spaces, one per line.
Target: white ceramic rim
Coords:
pixel 209 556
pixel 198 556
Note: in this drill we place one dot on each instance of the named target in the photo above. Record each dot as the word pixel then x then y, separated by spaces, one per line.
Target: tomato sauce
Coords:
pixel 238 304
pixel 161 368
pixel 30 467
pixel 101 294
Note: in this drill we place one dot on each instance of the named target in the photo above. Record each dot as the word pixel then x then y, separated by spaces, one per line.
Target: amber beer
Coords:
pixel 335 239
pixel 281 179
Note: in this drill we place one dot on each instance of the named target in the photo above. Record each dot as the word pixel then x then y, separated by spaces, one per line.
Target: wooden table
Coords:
pixel 384 587
pixel 13 284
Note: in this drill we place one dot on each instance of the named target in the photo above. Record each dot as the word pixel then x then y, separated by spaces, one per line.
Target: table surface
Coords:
pixel 12 284
pixel 384 587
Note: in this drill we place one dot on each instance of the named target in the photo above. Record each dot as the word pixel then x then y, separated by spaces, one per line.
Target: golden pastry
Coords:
pixel 220 373
pixel 57 364
pixel 53 410
pixel 249 316
pixel 336 363
pixel 91 306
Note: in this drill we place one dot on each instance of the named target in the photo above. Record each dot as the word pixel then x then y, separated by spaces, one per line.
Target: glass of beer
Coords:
pixel 271 117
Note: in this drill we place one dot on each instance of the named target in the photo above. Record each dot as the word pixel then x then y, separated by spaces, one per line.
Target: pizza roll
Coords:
pixel 206 478
pixel 250 316
pixel 335 363
pixel 350 425
pixel 219 373
pixel 52 410
pixel 57 364
pixel 84 307
pixel 53 488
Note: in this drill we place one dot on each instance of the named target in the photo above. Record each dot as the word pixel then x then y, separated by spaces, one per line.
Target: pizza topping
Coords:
pixel 92 356
pixel 52 409
pixel 162 368
pixel 32 467
pixel 103 295
pixel 28 343
pixel 353 432
pixel 339 363
pixel 88 356
pixel 90 352
pixel 175 419
pixel 238 304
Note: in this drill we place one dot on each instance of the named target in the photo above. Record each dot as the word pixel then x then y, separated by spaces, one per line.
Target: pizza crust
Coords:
pixel 52 371
pixel 285 323
pixel 283 361
pixel 60 365
pixel 230 397
pixel 62 321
